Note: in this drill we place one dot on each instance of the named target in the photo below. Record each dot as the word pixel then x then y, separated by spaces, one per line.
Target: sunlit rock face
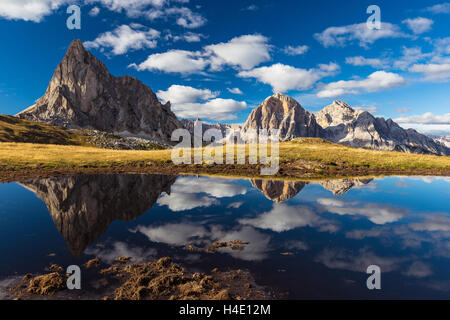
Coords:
pixel 82 93
pixel 356 128
pixel 278 191
pixel 83 207
pixel 285 114
pixel 340 187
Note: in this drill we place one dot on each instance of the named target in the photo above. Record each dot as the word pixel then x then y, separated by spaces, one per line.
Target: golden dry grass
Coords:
pixel 27 155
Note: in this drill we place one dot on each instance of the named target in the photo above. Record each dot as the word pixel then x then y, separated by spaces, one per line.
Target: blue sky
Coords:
pixel 219 59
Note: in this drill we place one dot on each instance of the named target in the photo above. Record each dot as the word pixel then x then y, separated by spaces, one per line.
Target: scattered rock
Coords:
pixel 55 267
pixel 164 280
pixel 47 284
pixel 92 263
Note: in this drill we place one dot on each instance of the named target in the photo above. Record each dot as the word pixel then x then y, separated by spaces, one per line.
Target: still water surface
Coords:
pixel 306 240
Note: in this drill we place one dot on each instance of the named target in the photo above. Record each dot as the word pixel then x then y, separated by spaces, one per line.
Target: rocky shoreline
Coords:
pixel 157 280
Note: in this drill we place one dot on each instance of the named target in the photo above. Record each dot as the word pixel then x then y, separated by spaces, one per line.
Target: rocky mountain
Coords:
pixel 444 140
pixel 284 113
pixel 344 125
pixel 83 207
pixel 280 191
pixel 340 187
pixel 83 94
pixel 189 125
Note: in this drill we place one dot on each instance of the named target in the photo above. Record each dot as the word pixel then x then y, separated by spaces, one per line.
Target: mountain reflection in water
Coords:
pixel 307 239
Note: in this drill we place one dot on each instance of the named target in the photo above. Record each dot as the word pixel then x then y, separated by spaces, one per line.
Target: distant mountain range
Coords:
pixel 83 94
pixel 341 124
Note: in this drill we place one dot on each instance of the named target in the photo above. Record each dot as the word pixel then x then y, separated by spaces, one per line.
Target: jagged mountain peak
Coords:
pixel 83 94
pixel 357 128
pixel 284 113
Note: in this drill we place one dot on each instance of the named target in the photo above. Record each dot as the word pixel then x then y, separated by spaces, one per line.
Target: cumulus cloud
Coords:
pixel 362 61
pixel 122 249
pixel 433 71
pixel 188 37
pixel 357 261
pixel 432 223
pixel 235 90
pixel 188 193
pixel 125 38
pixel 295 51
pixel 419 25
pixel 377 81
pixel 94 11
pixel 178 94
pixel 284 218
pixel 244 52
pixel 283 78
pixel 29 10
pixel 426 118
pixel 418 269
pixel 440 8
pixel 186 17
pixel 174 61
pixel 189 102
pixel 377 213
pixel 342 36
pixel 186 233
pixel 409 57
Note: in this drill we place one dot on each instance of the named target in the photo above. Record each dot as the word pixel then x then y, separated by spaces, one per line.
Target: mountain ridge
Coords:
pixel 83 94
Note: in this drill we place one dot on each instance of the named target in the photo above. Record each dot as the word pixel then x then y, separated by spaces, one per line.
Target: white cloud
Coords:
pixel 189 192
pixel 29 10
pixel 177 94
pixel 377 81
pixel 235 90
pixel 295 51
pixel 216 109
pixel 428 123
pixel 371 109
pixel 188 37
pixel 356 261
pixel 419 270
pixel 188 233
pixel 179 234
pixel 94 11
pixel 283 78
pixel 377 213
pixel 361 61
pixel 122 249
pixel 252 7
pixel 188 102
pixel 245 52
pixel 186 17
pixel 155 9
pixel 426 118
pixel 284 218
pixel 419 25
pixel 174 61
pixel 433 71
pixel 409 57
pixel 440 8
pixel 341 36
pixel 432 224
pixel 125 38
